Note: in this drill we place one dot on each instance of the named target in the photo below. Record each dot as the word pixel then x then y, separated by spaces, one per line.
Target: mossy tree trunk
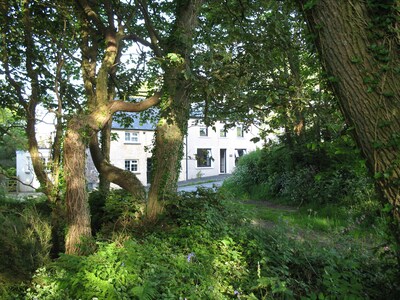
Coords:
pixel 168 150
pixel 358 43
pixel 104 184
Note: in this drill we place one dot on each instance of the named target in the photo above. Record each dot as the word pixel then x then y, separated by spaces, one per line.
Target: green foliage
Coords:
pixel 25 237
pixel 12 138
pixel 207 248
pixel 321 173
pixel 113 212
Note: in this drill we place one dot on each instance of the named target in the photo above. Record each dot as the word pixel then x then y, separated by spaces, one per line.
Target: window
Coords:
pixel 131 165
pixel 203 131
pixel 239 131
pixel 204 158
pixel 132 137
pixel 28 166
pixel 238 154
pixel 222 132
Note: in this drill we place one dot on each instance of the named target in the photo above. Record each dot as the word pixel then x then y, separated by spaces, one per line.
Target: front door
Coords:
pixel 222 161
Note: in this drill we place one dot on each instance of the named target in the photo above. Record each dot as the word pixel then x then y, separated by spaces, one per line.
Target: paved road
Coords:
pixel 207 182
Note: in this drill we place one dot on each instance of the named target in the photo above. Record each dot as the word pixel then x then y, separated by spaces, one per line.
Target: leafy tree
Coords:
pixel 35 73
pixel 262 70
pixel 12 138
pixel 361 58
pixel 104 28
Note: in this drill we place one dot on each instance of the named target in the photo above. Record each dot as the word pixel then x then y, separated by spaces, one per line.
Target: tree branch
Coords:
pixel 92 15
pixel 138 39
pixel 154 37
pixel 120 105
pixel 123 178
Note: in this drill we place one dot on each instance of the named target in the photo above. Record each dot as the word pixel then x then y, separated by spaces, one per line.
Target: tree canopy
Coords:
pixel 237 61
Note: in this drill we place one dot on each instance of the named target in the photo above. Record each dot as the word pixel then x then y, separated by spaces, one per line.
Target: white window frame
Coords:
pixel 222 132
pixel 132 137
pixel 209 159
pixel 132 165
pixel 239 131
pixel 237 154
pixel 203 131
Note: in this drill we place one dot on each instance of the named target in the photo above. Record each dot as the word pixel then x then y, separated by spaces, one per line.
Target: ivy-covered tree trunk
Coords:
pixel 167 156
pixel 104 184
pixel 76 197
pixel 358 43
pixel 171 129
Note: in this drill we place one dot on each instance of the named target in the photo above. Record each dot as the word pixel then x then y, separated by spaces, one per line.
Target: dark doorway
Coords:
pixel 222 161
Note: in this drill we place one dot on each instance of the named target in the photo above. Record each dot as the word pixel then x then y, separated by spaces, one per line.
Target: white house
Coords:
pixel 208 151
pixel 215 150
pixel 25 173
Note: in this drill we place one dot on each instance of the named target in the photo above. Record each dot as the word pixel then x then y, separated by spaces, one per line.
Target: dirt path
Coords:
pixel 296 233
pixel 268 204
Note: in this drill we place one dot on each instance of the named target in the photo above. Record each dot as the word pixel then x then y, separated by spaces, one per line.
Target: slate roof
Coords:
pixel 136 124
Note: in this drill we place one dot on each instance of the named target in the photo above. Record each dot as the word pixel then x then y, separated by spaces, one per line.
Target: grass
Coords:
pixel 332 219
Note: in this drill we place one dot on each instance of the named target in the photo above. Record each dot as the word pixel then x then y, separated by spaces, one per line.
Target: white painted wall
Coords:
pixel 215 142
pixel 26 175
pixel 122 150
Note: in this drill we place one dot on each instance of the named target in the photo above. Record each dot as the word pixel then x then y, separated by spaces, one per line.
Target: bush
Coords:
pixel 247 174
pixel 116 211
pixel 325 174
pixel 206 248
pixel 25 242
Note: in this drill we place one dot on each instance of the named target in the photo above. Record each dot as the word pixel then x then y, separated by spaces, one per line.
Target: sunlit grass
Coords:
pixel 324 219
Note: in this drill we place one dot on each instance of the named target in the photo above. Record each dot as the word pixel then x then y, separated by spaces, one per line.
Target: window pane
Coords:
pixel 222 133
pixel 131 165
pixel 134 165
pixel 239 131
pixel 135 137
pixel 203 158
pixel 127 136
pixel 239 153
pixel 203 131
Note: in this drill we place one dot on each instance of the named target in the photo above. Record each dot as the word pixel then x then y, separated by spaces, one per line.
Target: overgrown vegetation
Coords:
pixel 206 247
pixel 306 174
pixel 25 235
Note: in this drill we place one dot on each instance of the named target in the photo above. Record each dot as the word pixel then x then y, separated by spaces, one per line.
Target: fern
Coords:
pixel 144 292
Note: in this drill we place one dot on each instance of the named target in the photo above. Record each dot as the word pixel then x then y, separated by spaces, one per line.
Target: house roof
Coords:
pixel 131 121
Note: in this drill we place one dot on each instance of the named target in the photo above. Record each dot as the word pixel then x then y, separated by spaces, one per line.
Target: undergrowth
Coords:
pixel 207 248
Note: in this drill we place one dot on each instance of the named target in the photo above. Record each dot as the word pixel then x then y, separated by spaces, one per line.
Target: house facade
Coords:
pixel 215 150
pixel 26 175
pixel 208 151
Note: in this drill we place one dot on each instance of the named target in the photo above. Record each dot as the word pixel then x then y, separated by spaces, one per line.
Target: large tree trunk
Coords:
pixel 359 47
pixel 167 156
pixel 104 185
pixel 76 199
pixel 168 150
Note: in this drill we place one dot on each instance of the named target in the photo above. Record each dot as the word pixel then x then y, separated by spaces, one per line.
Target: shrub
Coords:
pixel 25 236
pixel 116 211
pixel 206 248
pixel 302 175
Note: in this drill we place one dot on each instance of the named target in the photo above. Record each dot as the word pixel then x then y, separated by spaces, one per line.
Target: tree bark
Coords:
pixel 104 184
pixel 125 179
pixel 168 150
pixel 167 156
pixel 76 198
pixel 359 48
